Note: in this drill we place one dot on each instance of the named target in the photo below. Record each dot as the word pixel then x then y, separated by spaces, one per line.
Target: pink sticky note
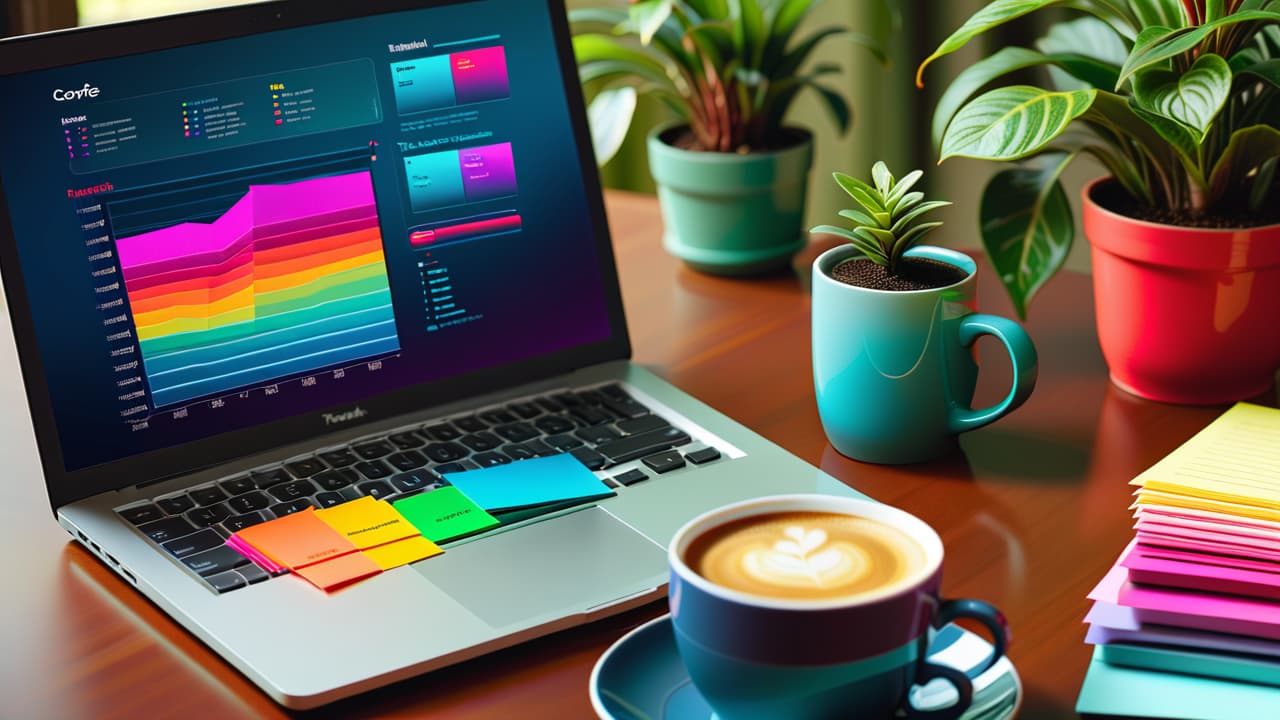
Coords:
pixel 1211 559
pixel 1190 609
pixel 1144 568
pixel 1217 548
pixel 1194 533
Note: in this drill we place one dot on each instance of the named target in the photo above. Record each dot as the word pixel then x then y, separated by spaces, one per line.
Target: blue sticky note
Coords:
pixel 1116 690
pixel 537 481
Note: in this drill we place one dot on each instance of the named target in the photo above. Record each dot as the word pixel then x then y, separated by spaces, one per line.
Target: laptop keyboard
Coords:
pixel 602 427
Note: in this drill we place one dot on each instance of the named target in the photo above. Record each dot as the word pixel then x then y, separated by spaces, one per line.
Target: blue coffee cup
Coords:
pixel 754 657
pixel 894 371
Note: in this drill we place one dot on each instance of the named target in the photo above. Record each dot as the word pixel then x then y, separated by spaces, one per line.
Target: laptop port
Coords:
pixel 129 576
pixel 83 538
pixel 112 560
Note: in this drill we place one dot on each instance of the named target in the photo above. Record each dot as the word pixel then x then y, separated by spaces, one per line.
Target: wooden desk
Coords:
pixel 1032 511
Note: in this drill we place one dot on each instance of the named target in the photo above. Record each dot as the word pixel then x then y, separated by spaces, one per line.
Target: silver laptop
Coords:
pixel 293 254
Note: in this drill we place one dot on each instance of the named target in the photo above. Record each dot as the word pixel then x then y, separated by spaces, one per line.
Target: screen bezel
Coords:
pixel 78 45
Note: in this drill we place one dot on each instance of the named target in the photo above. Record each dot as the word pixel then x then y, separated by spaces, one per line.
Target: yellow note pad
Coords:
pixel 402 552
pixel 380 531
pixel 1236 459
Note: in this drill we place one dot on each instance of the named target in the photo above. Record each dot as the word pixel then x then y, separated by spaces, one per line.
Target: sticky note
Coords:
pixel 378 529
pixel 1114 690
pixel 537 481
pixel 444 514
pixel 297 540
pixel 337 572
pixel 249 551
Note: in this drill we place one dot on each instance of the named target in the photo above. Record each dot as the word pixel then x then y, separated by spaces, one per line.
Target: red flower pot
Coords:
pixel 1185 315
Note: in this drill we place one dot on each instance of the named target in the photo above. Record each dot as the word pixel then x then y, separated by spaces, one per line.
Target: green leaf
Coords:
pixel 1013 122
pixel 993 14
pixel 1178 136
pixel 1194 99
pixel 836 105
pixel 610 114
pixel 898 192
pixel 1089 53
pixel 1214 9
pixel 1027 227
pixel 648 16
pixel 905 221
pixel 858 217
pixel 911 238
pixel 786 19
pixel 1168 13
pixel 1268 71
pixel 863 193
pixel 594 47
pixel 882 177
pixel 865 246
pixel 1155 47
pixel 748 30
pixel 1249 148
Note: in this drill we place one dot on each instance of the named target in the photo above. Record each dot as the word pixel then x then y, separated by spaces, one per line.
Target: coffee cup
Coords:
pixel 894 371
pixel 815 606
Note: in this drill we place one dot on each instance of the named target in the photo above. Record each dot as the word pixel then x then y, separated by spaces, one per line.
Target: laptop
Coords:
pixel 295 254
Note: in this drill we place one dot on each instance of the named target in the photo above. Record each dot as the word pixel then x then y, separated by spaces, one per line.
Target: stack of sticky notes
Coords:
pixel 1187 622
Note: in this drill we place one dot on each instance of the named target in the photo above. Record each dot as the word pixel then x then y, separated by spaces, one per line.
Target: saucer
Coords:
pixel 641 678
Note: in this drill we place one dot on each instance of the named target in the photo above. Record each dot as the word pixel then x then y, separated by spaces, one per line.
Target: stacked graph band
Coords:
pixel 292 278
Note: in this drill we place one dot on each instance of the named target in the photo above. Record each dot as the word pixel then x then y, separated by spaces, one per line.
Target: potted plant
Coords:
pixel 1180 102
pixel 893 324
pixel 731 174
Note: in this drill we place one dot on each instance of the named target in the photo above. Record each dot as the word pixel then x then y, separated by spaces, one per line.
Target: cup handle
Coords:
pixel 932 671
pixel 1025 367
pixel 993 620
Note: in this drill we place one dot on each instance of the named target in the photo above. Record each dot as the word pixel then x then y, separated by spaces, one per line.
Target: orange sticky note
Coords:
pixel 343 570
pixel 297 540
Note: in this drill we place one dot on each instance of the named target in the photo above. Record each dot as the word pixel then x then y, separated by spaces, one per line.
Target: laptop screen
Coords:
pixel 225 234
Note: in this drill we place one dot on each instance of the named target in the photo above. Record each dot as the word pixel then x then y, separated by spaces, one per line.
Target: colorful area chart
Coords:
pixel 290 279
pixel 441 81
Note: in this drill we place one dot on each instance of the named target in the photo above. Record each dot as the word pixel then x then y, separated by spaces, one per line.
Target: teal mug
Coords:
pixel 894 371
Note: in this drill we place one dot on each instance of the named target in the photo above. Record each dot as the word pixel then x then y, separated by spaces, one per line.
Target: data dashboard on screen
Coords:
pixel 226 234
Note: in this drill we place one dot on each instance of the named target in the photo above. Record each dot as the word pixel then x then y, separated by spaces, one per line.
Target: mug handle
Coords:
pixel 993 620
pixel 1025 368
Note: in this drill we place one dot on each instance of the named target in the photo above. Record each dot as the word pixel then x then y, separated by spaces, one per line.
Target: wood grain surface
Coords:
pixel 1032 511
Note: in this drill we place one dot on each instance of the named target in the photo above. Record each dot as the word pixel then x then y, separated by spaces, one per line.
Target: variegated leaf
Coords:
pixel 1194 99
pixel 1013 122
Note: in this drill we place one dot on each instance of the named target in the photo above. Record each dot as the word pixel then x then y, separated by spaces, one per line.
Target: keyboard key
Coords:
pixel 329 499
pixel 626 408
pixel 416 480
pixel 630 477
pixel 407 460
pixel 207 495
pixel 554 424
pixel 598 434
pixel 252 573
pixel 563 443
pixel 540 448
pixel 289 508
pixel 470 424
pixel 518 452
pixel 567 399
pixel 336 479
pixel 140 514
pixel 637 446
pixel 444 452
pixel 226 581
pixel 266 478
pixel 525 410
pixel 517 432
pixel 705 455
pixel 249 502
pixel 238 485
pixel 481 441
pixel 459 466
pixel 614 392
pixel 592 459
pixel 635 426
pixel 175 505
pixel 665 461
pixel 374 469
pixel 206 516
pixel 339 458
pixel 490 459
pixel 350 493
pixel 164 530
pixel 206 539
pixel 498 417
pixel 442 432
pixel 217 560
pixel 549 405
pixel 292 490
pixel 236 523
pixel 591 397
pixel 306 467
pixel 591 416
pixel 406 440
pixel 376 489
pixel 373 450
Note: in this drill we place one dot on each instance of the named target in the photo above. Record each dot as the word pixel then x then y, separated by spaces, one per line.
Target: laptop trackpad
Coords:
pixel 564 565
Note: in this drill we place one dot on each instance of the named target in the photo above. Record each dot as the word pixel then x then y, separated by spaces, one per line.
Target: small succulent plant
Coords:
pixel 891 219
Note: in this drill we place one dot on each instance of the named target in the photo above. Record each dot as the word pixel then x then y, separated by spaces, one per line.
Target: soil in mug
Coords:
pixel 1112 196
pixel 915 273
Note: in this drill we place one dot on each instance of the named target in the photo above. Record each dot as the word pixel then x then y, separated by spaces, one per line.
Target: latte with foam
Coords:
pixel 805 555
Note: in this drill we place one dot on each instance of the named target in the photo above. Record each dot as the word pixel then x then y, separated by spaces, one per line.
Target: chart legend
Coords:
pixel 290 279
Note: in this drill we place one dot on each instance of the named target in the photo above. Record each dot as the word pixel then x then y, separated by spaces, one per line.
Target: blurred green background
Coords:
pixel 891 116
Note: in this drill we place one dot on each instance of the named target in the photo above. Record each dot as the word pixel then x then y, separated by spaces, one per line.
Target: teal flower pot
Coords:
pixel 730 213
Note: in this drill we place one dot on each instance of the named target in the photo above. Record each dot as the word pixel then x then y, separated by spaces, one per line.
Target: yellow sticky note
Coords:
pixel 402 552
pixel 1236 459
pixel 368 522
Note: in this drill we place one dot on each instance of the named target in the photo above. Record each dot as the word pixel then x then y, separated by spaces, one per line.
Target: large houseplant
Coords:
pixel 731 174
pixel 1180 101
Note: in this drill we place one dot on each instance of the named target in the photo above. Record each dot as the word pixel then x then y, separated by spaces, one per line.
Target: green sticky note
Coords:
pixel 444 514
